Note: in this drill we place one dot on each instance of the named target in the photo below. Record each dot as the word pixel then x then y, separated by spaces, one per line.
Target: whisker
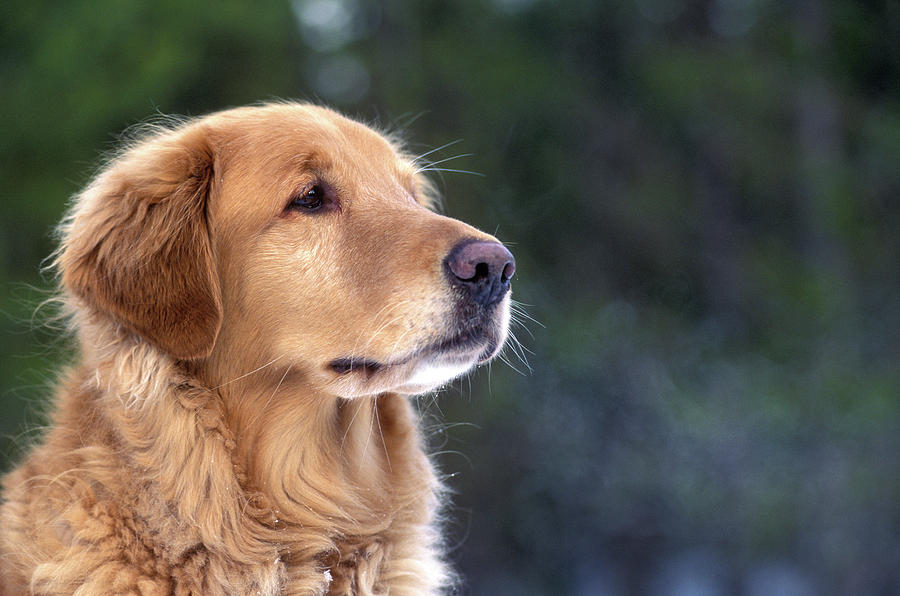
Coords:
pixel 269 363
pixel 514 318
pixel 271 397
pixel 465 457
pixel 426 169
pixel 446 159
pixel 381 432
pixel 519 350
pixel 444 146
pixel 396 122
pixel 521 318
pixel 350 424
pixel 506 361
pixel 517 307
pixel 371 424
pixel 435 404
pixel 452 425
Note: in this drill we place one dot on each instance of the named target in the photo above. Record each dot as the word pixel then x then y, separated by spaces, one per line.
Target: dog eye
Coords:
pixel 311 199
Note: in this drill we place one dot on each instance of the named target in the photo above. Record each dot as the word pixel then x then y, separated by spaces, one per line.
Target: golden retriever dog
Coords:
pixel 255 295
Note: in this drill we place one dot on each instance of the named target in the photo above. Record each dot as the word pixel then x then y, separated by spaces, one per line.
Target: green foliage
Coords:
pixel 702 199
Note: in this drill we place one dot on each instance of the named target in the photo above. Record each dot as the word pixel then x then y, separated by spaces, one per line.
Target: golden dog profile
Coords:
pixel 254 294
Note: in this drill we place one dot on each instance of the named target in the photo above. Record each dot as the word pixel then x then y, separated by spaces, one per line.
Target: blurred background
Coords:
pixel 703 201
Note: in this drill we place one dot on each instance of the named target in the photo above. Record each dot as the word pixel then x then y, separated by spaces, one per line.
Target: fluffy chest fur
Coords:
pixel 154 495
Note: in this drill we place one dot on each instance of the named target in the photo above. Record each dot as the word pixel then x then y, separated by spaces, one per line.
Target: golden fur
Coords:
pixel 215 436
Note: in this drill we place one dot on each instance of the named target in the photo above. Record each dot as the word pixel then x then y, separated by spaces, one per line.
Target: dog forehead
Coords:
pixel 271 152
pixel 283 140
pixel 284 130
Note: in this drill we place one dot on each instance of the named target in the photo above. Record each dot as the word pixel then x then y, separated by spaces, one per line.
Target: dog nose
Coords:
pixel 483 269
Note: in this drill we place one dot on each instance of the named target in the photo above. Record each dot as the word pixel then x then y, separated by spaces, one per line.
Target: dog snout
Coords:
pixel 482 269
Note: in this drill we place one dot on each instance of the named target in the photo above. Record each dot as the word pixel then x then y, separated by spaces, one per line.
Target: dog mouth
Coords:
pixel 343 366
pixel 468 348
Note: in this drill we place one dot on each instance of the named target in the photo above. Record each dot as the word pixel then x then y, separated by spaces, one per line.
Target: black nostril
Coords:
pixel 482 268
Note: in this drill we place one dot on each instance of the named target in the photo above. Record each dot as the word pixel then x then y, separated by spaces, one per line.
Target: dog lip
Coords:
pixel 461 347
pixel 343 366
pixel 464 343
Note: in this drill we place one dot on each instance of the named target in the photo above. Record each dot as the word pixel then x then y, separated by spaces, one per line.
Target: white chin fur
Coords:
pixel 428 375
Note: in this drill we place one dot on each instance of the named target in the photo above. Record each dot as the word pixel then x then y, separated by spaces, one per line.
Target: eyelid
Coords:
pixel 328 202
pixel 308 199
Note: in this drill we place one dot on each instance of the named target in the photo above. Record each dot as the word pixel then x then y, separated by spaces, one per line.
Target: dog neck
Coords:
pixel 279 470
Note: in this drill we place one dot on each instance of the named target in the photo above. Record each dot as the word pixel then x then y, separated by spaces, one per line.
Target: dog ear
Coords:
pixel 137 244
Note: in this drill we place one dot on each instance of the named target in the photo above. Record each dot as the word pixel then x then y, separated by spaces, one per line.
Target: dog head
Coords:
pixel 288 233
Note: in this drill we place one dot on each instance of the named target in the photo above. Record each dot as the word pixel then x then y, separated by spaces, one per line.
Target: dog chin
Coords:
pixel 431 374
